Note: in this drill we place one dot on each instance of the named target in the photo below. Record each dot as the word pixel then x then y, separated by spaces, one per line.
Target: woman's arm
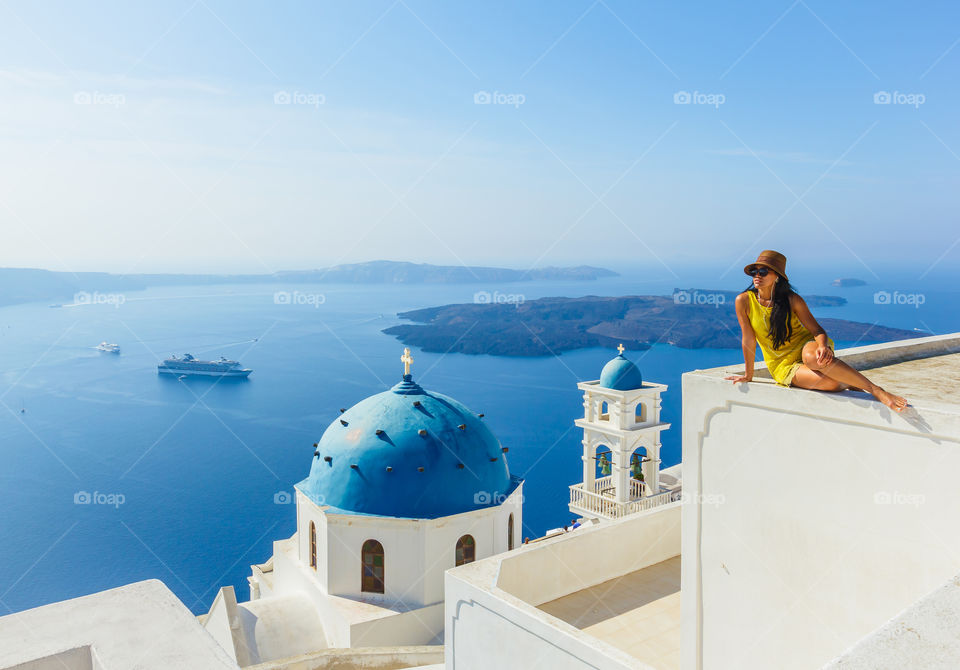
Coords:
pixel 799 307
pixel 748 339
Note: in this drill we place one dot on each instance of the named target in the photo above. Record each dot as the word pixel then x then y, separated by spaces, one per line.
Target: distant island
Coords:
pixel 847 282
pixel 704 296
pixel 18 285
pixel 690 318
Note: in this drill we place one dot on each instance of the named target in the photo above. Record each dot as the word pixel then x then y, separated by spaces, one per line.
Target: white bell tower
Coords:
pixel 621 438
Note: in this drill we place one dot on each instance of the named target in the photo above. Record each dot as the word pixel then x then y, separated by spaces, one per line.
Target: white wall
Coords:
pixel 816 518
pixel 423 626
pixel 591 555
pixel 416 551
pixel 307 512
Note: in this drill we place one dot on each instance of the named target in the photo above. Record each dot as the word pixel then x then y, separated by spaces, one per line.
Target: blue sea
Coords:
pixel 111 474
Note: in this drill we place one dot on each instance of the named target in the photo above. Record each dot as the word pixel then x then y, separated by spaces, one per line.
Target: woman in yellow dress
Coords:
pixel 795 348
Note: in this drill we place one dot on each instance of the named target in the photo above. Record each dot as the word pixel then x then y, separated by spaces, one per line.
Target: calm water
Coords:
pixel 198 465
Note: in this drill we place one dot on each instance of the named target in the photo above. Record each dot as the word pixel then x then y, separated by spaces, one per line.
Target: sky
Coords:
pixel 206 136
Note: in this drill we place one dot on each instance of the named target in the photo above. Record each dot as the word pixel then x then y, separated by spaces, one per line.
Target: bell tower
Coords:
pixel 621 443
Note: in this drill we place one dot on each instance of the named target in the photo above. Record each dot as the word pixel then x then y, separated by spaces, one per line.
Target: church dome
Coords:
pixel 621 374
pixel 410 453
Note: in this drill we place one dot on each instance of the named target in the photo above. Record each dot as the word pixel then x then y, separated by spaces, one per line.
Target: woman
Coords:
pixel 795 348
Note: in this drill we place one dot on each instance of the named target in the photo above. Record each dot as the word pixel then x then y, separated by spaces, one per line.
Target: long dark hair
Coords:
pixel 781 328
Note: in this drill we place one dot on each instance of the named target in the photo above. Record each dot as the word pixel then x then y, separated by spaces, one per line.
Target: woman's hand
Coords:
pixel 824 356
pixel 736 379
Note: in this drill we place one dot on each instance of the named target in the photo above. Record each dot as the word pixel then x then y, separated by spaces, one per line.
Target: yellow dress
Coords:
pixel 783 362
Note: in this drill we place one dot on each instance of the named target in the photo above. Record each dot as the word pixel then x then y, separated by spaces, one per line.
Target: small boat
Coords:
pixel 110 348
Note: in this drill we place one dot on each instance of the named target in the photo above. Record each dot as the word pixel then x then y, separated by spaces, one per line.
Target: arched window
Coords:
pixel 466 550
pixel 604 411
pixel 313 545
pixel 510 533
pixel 372 578
pixel 641 413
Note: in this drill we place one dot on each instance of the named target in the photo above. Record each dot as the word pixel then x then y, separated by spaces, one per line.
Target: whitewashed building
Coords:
pixel 402 486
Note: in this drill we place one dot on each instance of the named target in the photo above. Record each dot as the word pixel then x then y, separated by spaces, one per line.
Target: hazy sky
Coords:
pixel 223 136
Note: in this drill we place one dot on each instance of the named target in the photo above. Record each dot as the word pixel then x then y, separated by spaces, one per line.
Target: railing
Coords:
pixel 597 503
pixel 606 483
pixel 661 498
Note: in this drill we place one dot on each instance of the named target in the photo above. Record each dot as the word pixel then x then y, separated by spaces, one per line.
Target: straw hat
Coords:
pixel 773 260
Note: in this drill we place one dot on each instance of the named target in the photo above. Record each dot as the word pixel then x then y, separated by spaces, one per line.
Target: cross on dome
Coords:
pixel 407 359
pixel 620 348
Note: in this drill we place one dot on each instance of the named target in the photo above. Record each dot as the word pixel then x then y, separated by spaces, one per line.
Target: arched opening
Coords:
pixel 313 545
pixel 372 556
pixel 640 414
pixel 637 459
pixel 604 411
pixel 466 550
pixel 510 533
pixel 604 462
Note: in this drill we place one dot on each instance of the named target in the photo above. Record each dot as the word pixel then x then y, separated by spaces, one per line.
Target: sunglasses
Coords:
pixel 759 272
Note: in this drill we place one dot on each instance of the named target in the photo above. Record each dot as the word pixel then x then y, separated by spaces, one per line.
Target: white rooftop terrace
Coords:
pixel 601 596
pixel 817 517
pixel 638 613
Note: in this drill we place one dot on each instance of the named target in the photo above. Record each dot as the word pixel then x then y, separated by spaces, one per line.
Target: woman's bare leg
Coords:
pixel 843 376
pixel 806 378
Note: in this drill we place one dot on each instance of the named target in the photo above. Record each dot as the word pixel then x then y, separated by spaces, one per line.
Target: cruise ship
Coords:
pixel 109 347
pixel 188 365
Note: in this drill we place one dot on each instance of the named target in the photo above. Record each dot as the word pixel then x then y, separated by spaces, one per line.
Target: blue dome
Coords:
pixel 621 375
pixel 411 453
